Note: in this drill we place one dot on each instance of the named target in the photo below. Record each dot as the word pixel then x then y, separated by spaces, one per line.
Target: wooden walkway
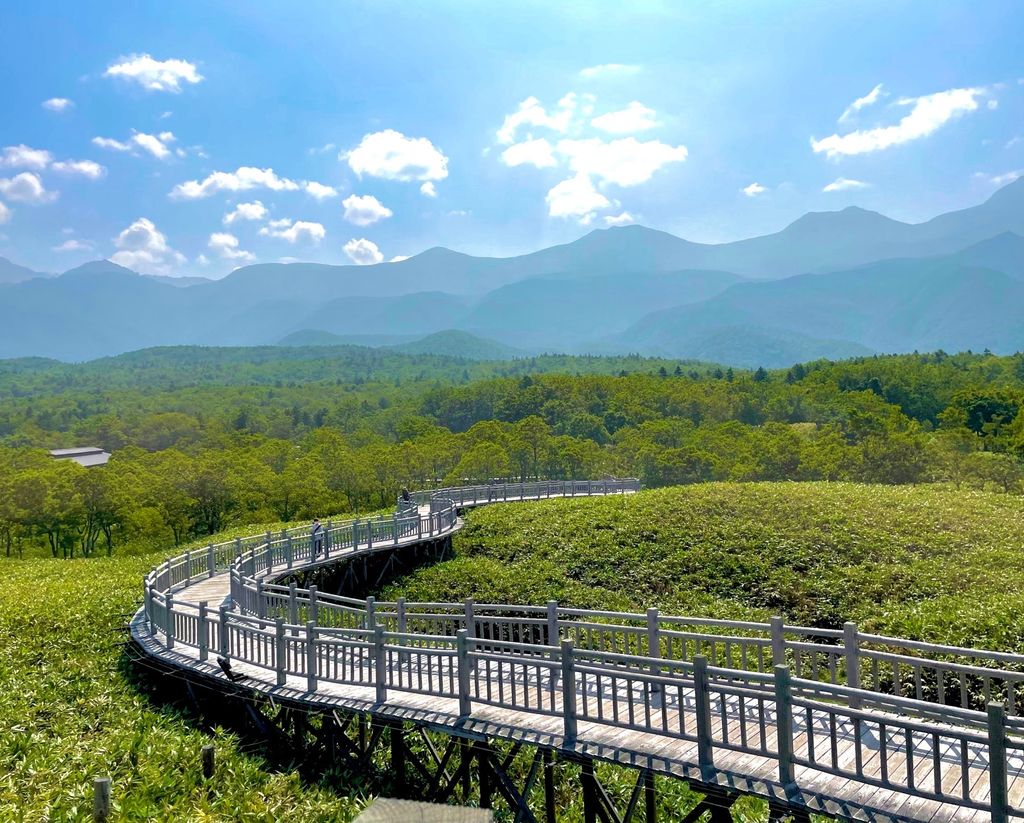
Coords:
pixel 837 722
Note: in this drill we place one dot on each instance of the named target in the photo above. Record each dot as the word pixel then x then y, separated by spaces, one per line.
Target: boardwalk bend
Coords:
pixel 829 720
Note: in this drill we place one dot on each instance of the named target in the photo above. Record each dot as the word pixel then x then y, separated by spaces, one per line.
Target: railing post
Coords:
pixel 394 526
pixel 470 621
pixel 311 672
pixel 997 780
pixel 289 557
pixel 211 561
pixel 380 664
pixel 369 534
pixel 169 628
pixel 327 540
pixel 371 613
pixel 148 600
pixel 778 642
pixel 204 635
pixel 419 526
pixel 403 624
pixel 355 533
pixel 654 645
pixel 279 651
pixel 552 622
pixel 784 725
pixel 225 637
pixel 188 566
pixel 261 603
pixel 702 701
pixel 314 606
pixel 568 691
pixel 270 553
pixel 293 605
pixel 851 649
pixel 462 650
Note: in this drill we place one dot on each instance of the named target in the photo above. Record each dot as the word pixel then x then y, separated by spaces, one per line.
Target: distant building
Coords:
pixel 87 456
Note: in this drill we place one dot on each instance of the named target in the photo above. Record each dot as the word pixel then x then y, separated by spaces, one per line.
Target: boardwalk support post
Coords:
pixel 997 763
pixel 380 664
pixel 784 726
pixel 852 652
pixel 778 642
pixel 462 651
pixel 204 633
pixel 653 646
pixel 311 672
pixel 101 799
pixel 279 651
pixel 568 692
pixel 702 701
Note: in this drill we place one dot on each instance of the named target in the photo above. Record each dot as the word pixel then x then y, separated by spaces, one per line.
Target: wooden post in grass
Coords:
pixel 101 799
pixel 209 761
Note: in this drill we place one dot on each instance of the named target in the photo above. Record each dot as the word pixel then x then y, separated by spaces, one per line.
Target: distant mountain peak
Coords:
pixel 98 267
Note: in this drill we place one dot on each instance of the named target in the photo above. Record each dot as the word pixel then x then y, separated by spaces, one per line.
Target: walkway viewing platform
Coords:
pixel 826 720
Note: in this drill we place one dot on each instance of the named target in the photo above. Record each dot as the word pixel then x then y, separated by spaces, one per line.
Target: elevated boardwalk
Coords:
pixel 831 721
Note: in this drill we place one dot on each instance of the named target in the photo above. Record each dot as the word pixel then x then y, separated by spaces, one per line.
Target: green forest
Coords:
pixel 206 439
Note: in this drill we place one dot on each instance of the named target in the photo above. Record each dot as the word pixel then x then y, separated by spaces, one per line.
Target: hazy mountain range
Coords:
pixel 831 284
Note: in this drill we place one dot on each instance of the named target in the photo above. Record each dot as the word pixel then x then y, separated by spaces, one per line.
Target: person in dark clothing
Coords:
pixel 317 534
pixel 405 496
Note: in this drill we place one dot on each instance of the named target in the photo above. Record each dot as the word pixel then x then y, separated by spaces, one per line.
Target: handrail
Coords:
pixel 843 675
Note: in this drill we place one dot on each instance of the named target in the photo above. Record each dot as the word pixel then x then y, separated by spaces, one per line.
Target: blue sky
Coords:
pixel 195 137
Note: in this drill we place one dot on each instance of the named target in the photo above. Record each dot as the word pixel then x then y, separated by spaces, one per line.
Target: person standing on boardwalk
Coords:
pixel 317 534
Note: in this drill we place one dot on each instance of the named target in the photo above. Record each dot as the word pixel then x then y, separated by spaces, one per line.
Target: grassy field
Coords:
pixel 923 562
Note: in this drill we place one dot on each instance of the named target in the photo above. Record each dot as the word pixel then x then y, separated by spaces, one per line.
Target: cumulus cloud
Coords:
pixel 999 179
pixel 623 219
pixel 391 155
pixel 926 116
pixel 25 157
pixel 26 188
pixel 143 247
pixel 74 245
pixel 295 231
pixel 754 189
pixel 154 75
pixel 57 104
pixel 576 197
pixel 226 245
pixel 111 143
pixel 531 113
pixel 365 210
pixel 635 117
pixel 244 178
pixel 86 168
pixel 868 99
pixel 428 189
pixel 398 258
pixel 155 144
pixel 624 162
pixel 5 214
pixel 246 211
pixel 363 252
pixel 319 191
pixel 538 152
pixel 609 70
pixel 845 184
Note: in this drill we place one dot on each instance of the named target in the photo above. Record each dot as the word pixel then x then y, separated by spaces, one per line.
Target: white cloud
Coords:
pixel 609 70
pixel 57 104
pixel 226 245
pixel 26 188
pixel 294 231
pixel 576 197
pixel 154 75
pixel 999 179
pixel 868 99
pixel 992 105
pixel 246 211
pixel 624 162
pixel 365 210
pixel 635 117
pixel 111 143
pixel 203 260
pixel 927 115
pixel 428 189
pixel 623 219
pixel 244 178
pixel 326 147
pixel 531 113
pixel 393 156
pixel 74 245
pixel 538 152
pixel 398 258
pixel 754 189
pixel 363 252
pixel 25 157
pixel 845 184
pixel 143 247
pixel 86 168
pixel 155 144
pixel 1013 141
pixel 320 191
pixel 5 214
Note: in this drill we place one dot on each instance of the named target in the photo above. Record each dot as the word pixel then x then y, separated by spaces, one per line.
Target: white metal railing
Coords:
pixel 803 696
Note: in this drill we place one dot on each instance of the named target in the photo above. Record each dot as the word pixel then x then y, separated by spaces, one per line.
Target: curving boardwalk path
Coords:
pixel 835 721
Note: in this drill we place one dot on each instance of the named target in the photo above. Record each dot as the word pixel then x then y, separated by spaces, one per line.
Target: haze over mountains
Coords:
pixel 831 284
